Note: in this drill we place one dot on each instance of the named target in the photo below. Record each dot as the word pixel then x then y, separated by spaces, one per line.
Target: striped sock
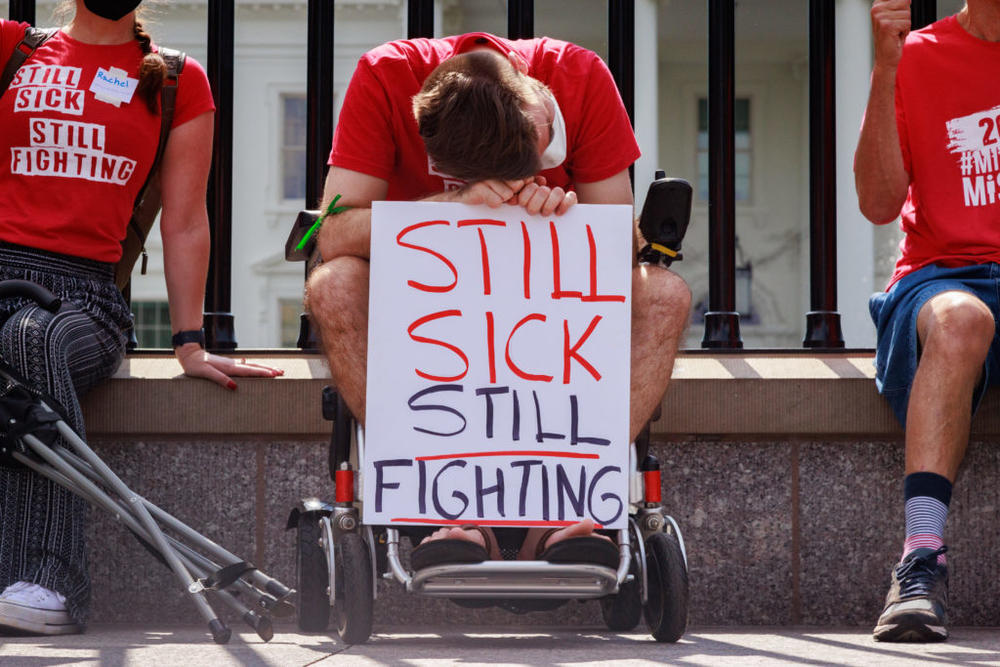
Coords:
pixel 927 496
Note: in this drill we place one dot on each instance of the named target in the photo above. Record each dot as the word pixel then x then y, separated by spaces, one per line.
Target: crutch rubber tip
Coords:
pixel 220 633
pixel 262 624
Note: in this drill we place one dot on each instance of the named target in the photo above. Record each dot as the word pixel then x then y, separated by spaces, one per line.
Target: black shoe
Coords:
pixel 915 606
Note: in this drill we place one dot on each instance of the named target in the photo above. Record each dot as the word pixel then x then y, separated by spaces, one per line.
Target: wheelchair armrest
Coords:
pixel 303 223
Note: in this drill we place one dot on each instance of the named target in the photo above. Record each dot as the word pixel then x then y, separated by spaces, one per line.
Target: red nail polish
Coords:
pixel 231 385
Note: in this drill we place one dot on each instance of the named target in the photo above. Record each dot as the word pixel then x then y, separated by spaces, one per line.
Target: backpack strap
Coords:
pixel 33 38
pixel 147 202
pixel 168 99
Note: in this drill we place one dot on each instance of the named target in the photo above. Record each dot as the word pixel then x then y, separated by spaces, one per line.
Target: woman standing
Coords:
pixel 73 156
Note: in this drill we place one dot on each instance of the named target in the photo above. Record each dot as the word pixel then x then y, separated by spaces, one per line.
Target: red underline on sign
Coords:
pixel 498 522
pixel 469 455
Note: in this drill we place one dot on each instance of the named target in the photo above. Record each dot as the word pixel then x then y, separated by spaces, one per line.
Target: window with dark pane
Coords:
pixel 152 323
pixel 293 146
pixel 290 310
pixel 743 156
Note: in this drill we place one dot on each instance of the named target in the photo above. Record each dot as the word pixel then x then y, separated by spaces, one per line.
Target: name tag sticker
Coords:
pixel 113 86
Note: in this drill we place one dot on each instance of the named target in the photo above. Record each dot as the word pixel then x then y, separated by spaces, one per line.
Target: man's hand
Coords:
pixel 494 193
pixel 890 26
pixel 539 199
pixel 533 194
pixel 196 362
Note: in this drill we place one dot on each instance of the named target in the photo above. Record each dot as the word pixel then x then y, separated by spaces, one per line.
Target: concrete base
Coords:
pixel 783 470
pixel 778 532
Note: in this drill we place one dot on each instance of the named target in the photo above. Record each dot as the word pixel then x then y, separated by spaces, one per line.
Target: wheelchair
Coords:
pixel 339 558
pixel 34 433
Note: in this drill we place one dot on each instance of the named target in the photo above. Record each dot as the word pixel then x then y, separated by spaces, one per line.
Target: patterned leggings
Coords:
pixel 65 354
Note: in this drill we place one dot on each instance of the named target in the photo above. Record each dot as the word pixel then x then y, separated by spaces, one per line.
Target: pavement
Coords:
pixel 192 647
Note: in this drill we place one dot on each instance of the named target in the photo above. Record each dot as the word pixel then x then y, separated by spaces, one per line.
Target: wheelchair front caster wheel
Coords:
pixel 355 598
pixel 667 599
pixel 313 603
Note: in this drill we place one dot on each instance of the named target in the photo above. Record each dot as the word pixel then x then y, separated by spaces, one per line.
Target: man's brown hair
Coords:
pixel 470 113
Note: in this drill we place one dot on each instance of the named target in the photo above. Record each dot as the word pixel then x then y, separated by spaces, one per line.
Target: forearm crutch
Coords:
pixel 32 425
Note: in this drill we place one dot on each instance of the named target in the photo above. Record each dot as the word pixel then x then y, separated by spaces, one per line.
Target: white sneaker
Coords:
pixel 28 607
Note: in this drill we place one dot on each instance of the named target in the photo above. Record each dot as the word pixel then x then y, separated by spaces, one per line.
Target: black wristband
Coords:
pixel 190 336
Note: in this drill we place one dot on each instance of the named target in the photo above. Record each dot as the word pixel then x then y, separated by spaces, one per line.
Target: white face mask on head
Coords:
pixel 555 153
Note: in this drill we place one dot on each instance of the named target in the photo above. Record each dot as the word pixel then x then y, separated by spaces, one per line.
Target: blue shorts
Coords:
pixel 895 316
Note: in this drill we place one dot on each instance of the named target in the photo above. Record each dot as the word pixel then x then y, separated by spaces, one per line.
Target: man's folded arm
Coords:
pixel 349 233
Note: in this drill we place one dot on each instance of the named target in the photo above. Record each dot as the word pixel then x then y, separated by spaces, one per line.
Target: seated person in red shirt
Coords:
pixel 927 154
pixel 478 119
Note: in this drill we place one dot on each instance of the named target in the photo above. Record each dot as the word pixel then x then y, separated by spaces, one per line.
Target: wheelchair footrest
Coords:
pixel 517 579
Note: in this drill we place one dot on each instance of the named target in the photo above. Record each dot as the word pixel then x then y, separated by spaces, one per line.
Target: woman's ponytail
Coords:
pixel 152 71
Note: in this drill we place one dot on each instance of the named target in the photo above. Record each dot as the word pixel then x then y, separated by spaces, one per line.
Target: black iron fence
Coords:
pixel 722 328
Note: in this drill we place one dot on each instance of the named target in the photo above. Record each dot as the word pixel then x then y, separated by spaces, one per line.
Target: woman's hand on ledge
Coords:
pixel 198 363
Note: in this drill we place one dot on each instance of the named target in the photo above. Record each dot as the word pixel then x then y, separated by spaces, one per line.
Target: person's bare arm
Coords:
pixel 349 233
pixel 880 176
pixel 616 189
pixel 186 242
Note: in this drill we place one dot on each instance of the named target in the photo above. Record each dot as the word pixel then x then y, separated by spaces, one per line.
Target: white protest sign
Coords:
pixel 498 366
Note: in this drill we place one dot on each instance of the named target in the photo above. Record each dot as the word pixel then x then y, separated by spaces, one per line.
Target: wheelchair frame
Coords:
pixel 339 559
pixel 651 577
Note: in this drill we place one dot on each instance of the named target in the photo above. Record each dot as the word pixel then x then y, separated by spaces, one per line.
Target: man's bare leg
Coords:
pixel 661 302
pixel 956 330
pixel 337 300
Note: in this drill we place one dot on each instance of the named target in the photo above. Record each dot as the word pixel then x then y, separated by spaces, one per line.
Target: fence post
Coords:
pixel 722 322
pixel 22 10
pixel 621 50
pixel 520 19
pixel 922 13
pixel 822 320
pixel 219 325
pixel 319 122
pixel 419 19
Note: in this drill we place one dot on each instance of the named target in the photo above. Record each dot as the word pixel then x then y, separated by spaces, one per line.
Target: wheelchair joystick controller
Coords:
pixel 664 220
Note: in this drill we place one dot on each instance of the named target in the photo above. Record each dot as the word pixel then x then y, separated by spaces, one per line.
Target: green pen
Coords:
pixel 330 210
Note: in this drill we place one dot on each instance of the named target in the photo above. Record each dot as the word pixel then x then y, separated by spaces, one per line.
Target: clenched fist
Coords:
pixel 890 25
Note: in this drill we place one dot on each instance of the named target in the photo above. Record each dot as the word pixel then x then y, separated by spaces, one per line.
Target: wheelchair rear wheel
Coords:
pixel 313 602
pixel 355 600
pixel 667 600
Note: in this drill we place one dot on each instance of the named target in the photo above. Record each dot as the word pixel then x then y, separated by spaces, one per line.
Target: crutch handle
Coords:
pixel 34 291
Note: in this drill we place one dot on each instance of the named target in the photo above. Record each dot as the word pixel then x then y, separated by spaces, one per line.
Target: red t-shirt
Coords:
pixel 71 164
pixel 948 115
pixel 376 133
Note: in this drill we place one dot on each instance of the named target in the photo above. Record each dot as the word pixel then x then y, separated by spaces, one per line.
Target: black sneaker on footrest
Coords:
pixel 664 220
pixel 915 608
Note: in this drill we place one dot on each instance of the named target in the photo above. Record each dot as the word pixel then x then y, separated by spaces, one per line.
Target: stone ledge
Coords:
pixel 712 394
pixel 768 459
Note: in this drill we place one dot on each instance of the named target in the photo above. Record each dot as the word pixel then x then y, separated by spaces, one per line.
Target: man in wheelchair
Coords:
pixel 478 119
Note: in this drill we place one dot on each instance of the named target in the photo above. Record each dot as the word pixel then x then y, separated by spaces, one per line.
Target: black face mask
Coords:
pixel 111 9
